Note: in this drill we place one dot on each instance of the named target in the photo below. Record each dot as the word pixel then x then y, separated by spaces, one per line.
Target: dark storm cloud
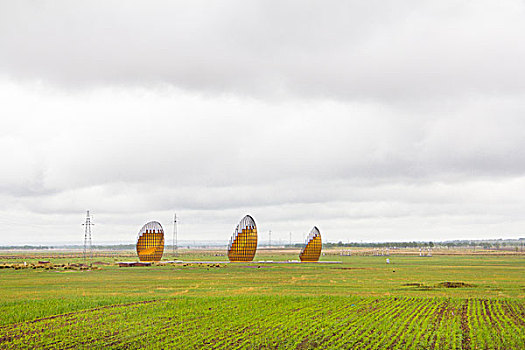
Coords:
pixel 346 50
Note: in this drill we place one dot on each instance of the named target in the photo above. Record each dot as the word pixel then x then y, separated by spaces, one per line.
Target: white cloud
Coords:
pixel 372 121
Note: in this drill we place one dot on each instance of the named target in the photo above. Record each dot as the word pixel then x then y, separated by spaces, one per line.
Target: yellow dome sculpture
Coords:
pixel 150 242
pixel 243 243
pixel 313 246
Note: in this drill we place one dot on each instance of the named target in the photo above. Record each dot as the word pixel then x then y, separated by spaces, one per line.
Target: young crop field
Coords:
pixel 274 322
pixel 445 302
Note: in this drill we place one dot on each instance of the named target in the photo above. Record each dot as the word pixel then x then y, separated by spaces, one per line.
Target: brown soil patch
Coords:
pixel 465 329
pixel 453 285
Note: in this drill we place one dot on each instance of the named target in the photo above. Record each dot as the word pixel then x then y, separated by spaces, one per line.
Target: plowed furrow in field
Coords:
pixel 269 323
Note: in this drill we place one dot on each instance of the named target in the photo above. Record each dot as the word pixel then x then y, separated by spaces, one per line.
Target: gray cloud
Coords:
pixel 349 50
pixel 374 121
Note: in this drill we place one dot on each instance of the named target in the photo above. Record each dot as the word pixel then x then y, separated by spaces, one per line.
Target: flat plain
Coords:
pixel 440 302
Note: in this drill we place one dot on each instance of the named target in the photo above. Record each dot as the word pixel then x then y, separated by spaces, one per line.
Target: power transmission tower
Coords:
pixel 290 239
pixel 88 248
pixel 175 241
pixel 270 238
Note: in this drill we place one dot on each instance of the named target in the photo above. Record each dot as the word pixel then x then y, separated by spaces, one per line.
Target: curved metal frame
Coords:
pixel 150 242
pixel 243 243
pixel 312 247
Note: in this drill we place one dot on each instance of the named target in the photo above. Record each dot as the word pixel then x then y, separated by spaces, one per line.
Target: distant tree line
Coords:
pixel 27 247
pixel 485 244
pixel 380 244
pixel 44 247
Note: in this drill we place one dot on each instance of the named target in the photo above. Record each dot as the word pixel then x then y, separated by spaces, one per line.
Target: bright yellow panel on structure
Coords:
pixel 150 243
pixel 313 246
pixel 243 243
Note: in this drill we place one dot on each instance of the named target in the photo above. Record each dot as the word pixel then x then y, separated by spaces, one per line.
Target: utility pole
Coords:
pixel 270 238
pixel 88 248
pixel 175 242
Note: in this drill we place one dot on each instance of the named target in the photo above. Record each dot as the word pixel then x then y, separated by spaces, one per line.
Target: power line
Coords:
pixel 175 238
pixel 88 247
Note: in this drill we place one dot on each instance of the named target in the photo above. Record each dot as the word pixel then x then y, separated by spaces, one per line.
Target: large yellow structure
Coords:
pixel 150 242
pixel 313 245
pixel 243 243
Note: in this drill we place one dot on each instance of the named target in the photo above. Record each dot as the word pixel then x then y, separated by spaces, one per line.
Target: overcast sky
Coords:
pixel 374 120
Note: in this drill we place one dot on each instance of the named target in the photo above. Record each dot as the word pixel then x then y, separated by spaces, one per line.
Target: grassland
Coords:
pixel 361 303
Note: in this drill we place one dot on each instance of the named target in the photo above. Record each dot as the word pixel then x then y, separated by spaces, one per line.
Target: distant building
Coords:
pixel 243 243
pixel 150 242
pixel 312 247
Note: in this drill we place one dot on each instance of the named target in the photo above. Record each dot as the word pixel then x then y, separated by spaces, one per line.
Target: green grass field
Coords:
pixel 362 303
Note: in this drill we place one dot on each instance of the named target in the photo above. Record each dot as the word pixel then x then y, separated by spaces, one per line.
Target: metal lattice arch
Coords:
pixel 243 244
pixel 312 246
pixel 150 242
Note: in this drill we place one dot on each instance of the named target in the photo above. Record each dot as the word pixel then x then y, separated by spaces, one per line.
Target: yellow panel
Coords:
pixel 312 250
pixel 150 246
pixel 244 246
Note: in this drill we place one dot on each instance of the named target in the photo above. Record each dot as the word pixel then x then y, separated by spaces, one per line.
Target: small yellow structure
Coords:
pixel 243 244
pixel 313 246
pixel 150 242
